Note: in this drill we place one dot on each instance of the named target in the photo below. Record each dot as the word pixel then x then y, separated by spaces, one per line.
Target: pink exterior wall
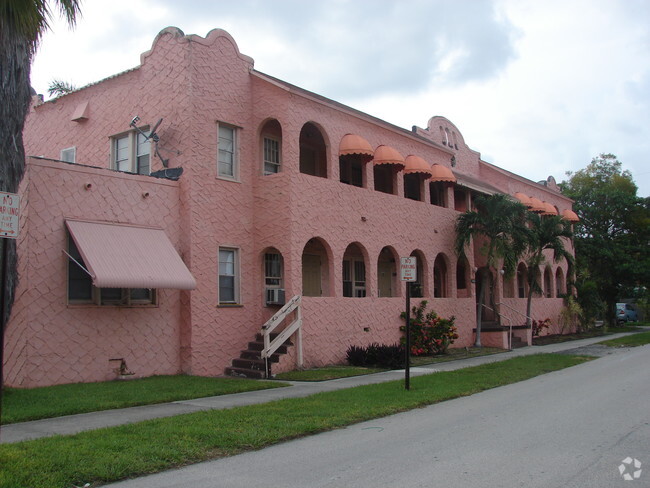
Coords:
pixel 194 84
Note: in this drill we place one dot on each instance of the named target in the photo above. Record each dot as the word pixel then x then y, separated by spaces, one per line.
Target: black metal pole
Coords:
pixel 407 352
pixel 3 303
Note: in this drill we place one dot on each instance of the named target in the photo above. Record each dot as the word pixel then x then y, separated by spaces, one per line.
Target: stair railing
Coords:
pixel 270 346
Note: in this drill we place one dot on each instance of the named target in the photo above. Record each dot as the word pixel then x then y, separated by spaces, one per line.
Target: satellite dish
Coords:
pixel 152 135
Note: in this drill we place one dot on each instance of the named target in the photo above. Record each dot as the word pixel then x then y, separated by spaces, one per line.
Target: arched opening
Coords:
pixel 508 286
pixel 413 186
pixel 559 283
pixel 387 273
pixel 522 281
pixel 484 295
pixel 460 200
pixel 462 278
pixel 313 151
pixel 440 282
pixel 271 139
pixel 354 272
pixel 315 269
pixel 548 283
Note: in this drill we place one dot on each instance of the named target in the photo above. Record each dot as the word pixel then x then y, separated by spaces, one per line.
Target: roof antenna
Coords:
pixel 152 135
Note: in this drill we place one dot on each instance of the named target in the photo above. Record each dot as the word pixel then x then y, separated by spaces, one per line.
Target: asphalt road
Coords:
pixel 571 428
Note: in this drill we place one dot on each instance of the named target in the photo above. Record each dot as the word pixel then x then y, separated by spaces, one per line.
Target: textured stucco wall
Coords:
pixel 49 341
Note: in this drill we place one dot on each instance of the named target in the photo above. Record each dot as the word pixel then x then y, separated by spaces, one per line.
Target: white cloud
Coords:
pixel 537 87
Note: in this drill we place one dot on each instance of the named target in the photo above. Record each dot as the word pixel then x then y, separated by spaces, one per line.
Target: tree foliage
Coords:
pixel 548 233
pixel 613 234
pixel 498 227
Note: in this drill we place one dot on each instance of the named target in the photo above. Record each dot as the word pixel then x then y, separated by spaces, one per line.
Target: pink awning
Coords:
pixel 442 173
pixel 352 144
pixel 524 199
pixel 570 215
pixel 126 256
pixel 536 205
pixel 415 164
pixel 388 155
pixel 549 209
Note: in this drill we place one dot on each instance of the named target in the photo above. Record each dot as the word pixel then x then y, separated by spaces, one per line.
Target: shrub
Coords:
pixel 540 326
pixel 430 334
pixel 380 355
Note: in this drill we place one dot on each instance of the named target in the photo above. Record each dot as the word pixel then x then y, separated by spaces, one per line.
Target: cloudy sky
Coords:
pixel 537 87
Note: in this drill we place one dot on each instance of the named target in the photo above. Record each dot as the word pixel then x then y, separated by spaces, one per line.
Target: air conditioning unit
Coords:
pixel 275 296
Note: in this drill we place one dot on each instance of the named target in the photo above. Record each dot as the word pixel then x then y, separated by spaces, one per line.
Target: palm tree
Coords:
pixel 22 23
pixel 499 227
pixel 547 233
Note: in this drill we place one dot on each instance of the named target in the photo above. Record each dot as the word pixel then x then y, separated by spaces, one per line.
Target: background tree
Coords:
pixel 60 87
pixel 499 228
pixel 22 23
pixel 546 233
pixel 613 234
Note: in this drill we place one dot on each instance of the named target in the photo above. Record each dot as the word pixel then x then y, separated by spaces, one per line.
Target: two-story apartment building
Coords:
pixel 169 211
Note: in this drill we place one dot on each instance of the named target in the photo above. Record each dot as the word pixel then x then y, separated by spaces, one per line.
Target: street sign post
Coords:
pixel 9 224
pixel 9 215
pixel 408 273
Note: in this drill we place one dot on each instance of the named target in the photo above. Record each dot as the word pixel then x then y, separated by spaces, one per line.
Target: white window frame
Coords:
pixel 69 150
pixel 134 150
pixel 272 280
pixel 235 274
pixel 266 161
pixel 222 151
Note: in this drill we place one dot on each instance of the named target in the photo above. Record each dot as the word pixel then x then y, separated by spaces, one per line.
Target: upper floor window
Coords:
pixel 131 153
pixel 271 156
pixel 313 151
pixel 227 149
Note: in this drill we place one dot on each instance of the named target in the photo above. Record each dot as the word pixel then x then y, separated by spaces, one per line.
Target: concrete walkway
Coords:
pixel 73 424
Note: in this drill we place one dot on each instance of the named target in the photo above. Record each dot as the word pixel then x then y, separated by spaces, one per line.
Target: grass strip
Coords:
pixel 327 373
pixel 633 340
pixel 20 405
pixel 117 453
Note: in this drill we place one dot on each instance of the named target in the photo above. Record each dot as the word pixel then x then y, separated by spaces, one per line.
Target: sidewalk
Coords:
pixel 73 424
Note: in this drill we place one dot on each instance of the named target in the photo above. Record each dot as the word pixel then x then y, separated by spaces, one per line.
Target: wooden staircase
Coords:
pixel 268 346
pixel 250 363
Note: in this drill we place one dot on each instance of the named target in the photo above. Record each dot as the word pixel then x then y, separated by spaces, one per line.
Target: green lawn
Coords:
pixel 633 340
pixel 133 450
pixel 20 405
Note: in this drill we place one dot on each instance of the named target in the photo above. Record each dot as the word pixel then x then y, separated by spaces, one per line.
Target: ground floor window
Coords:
pixel 81 290
pixel 228 275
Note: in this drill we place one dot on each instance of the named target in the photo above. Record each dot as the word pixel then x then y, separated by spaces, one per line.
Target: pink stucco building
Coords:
pixel 283 193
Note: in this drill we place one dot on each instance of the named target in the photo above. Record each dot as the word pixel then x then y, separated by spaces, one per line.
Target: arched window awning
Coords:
pixel 388 155
pixel 352 144
pixel 570 215
pixel 417 165
pixel 441 173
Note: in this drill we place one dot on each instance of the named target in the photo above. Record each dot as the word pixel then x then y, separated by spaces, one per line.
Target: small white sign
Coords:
pixel 408 269
pixel 9 215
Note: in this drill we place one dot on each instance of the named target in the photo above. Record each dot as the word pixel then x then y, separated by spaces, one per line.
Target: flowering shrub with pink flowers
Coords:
pixel 430 334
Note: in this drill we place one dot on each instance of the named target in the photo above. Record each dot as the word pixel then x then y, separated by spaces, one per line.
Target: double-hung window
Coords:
pixel 131 153
pixel 354 278
pixel 228 276
pixel 227 149
pixel 271 156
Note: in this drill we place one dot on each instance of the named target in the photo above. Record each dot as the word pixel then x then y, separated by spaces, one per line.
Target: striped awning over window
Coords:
pixel 127 256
